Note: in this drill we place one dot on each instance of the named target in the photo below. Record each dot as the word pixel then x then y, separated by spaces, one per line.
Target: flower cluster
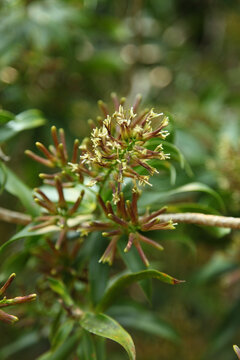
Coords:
pixel 59 213
pixel 119 147
pixel 7 318
pixel 57 157
pixel 126 220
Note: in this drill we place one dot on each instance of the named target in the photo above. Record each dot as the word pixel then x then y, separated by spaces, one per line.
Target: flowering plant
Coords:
pixel 118 150
pixel 88 213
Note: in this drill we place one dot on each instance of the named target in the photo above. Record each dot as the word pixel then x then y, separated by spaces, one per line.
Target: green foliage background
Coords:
pixel 62 56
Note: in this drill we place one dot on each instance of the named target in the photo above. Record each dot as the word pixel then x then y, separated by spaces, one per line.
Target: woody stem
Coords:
pixel 202 219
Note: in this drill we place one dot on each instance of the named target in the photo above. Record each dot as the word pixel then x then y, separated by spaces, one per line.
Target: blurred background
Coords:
pixel 183 56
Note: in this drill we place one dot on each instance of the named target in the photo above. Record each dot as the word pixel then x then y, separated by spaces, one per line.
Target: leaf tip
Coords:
pixel 176 281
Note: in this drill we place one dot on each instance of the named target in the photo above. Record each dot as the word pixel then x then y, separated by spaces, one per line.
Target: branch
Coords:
pixel 14 217
pixel 202 219
pixel 189 218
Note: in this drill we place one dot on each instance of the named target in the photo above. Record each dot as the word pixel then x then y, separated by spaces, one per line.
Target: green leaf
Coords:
pixel 62 334
pixel 25 232
pixel 138 318
pixel 64 351
pixel 98 272
pixel 104 326
pixel 26 120
pixel 15 262
pixel 17 188
pixel 9 242
pixel 5 116
pixel 135 264
pixel 192 207
pixel 175 153
pixel 86 349
pixel 3 177
pixel 59 287
pixel 101 351
pixel 217 232
pixel 152 197
pixel 192 148
pixel 117 287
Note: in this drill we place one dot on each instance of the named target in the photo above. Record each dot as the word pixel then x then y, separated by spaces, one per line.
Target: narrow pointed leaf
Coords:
pixel 64 351
pixel 98 272
pixel 5 116
pixel 152 197
pixel 25 232
pixel 62 333
pixel 116 288
pixel 104 326
pixel 12 124
pixel 101 351
pixel 86 349
pixel 59 287
pixel 17 188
